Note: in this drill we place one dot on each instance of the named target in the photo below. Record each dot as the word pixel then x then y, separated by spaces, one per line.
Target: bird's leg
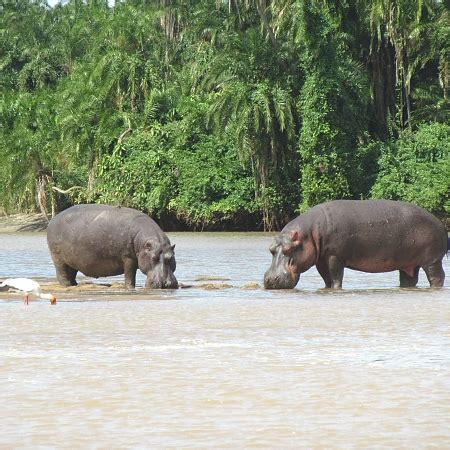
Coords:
pixel 25 299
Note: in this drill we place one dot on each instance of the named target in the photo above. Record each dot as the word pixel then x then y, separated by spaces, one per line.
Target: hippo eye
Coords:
pixel 273 248
pixel 155 256
pixel 287 249
pixel 168 257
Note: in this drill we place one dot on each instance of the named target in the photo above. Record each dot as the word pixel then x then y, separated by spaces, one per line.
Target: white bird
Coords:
pixel 27 287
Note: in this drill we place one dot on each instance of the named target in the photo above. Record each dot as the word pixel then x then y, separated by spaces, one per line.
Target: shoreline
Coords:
pixel 16 223
pixel 34 222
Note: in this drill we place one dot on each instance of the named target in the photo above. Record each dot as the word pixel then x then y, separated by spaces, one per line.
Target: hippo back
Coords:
pixel 376 229
pixel 95 239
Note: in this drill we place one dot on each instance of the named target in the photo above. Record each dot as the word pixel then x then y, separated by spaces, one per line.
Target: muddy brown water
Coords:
pixel 222 362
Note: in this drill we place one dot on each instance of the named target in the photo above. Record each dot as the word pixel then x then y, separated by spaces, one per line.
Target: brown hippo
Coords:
pixel 103 240
pixel 366 235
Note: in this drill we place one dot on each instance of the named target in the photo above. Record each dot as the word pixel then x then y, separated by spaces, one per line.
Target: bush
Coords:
pixel 213 187
pixel 415 168
pixel 139 173
pixel 202 184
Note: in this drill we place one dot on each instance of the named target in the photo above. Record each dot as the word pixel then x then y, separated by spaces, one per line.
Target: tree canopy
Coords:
pixel 227 114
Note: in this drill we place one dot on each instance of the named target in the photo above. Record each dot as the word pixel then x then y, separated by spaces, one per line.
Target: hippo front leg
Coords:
pixel 409 280
pixel 130 268
pixel 336 271
pixel 322 268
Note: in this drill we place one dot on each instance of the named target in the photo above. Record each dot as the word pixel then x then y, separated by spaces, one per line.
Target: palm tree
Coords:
pixel 398 28
pixel 113 82
pixel 248 99
pixel 32 67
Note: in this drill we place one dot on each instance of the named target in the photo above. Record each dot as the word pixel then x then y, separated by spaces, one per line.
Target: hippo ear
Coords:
pixel 295 238
pixel 273 247
pixel 292 241
pixel 172 247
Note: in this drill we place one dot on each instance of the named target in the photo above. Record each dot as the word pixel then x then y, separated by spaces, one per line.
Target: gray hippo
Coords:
pixel 103 240
pixel 365 235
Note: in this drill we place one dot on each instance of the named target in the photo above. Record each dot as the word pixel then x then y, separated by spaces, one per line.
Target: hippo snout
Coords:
pixel 280 280
pixel 169 282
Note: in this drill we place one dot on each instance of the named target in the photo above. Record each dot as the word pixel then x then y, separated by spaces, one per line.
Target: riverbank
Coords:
pixel 14 223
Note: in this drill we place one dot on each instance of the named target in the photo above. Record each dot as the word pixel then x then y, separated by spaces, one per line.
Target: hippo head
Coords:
pixel 157 260
pixel 292 253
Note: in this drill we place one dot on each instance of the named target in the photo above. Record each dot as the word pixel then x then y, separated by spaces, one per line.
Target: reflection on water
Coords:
pixel 368 366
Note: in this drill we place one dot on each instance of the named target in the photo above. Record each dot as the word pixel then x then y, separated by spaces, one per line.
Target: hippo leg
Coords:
pixel 130 268
pixel 66 275
pixel 336 270
pixel 435 274
pixel 322 268
pixel 408 281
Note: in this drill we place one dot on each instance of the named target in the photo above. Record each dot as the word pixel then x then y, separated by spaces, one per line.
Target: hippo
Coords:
pixel 104 240
pixel 366 235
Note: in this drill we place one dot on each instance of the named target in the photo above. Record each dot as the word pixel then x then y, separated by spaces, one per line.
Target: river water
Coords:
pixel 365 367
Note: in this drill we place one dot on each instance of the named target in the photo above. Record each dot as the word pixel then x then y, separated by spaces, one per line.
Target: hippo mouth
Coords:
pixel 155 285
pixel 283 273
pixel 168 282
pixel 283 280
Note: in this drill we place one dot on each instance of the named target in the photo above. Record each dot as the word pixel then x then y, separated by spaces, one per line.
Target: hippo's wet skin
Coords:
pixel 365 235
pixel 103 240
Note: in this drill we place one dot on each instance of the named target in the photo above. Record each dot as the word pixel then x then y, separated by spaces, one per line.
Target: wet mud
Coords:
pixel 117 291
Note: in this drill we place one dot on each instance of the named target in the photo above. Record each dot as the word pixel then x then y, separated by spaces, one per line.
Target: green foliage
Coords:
pixel 252 101
pixel 415 168
pixel 213 187
pixel 196 177
pixel 333 109
pixel 138 174
pixel 222 114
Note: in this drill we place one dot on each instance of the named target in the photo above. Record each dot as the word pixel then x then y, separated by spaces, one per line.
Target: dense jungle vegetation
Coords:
pixel 231 114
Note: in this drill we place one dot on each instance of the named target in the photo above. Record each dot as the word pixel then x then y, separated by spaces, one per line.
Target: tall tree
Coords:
pixel 332 103
pixel 248 97
pixel 397 29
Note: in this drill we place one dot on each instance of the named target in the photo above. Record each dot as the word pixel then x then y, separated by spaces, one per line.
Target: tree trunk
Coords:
pixel 383 87
pixel 261 6
pixel 446 78
pixel 41 183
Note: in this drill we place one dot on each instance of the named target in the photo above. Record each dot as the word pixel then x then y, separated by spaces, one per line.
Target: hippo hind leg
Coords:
pixel 408 280
pixel 435 274
pixel 66 275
